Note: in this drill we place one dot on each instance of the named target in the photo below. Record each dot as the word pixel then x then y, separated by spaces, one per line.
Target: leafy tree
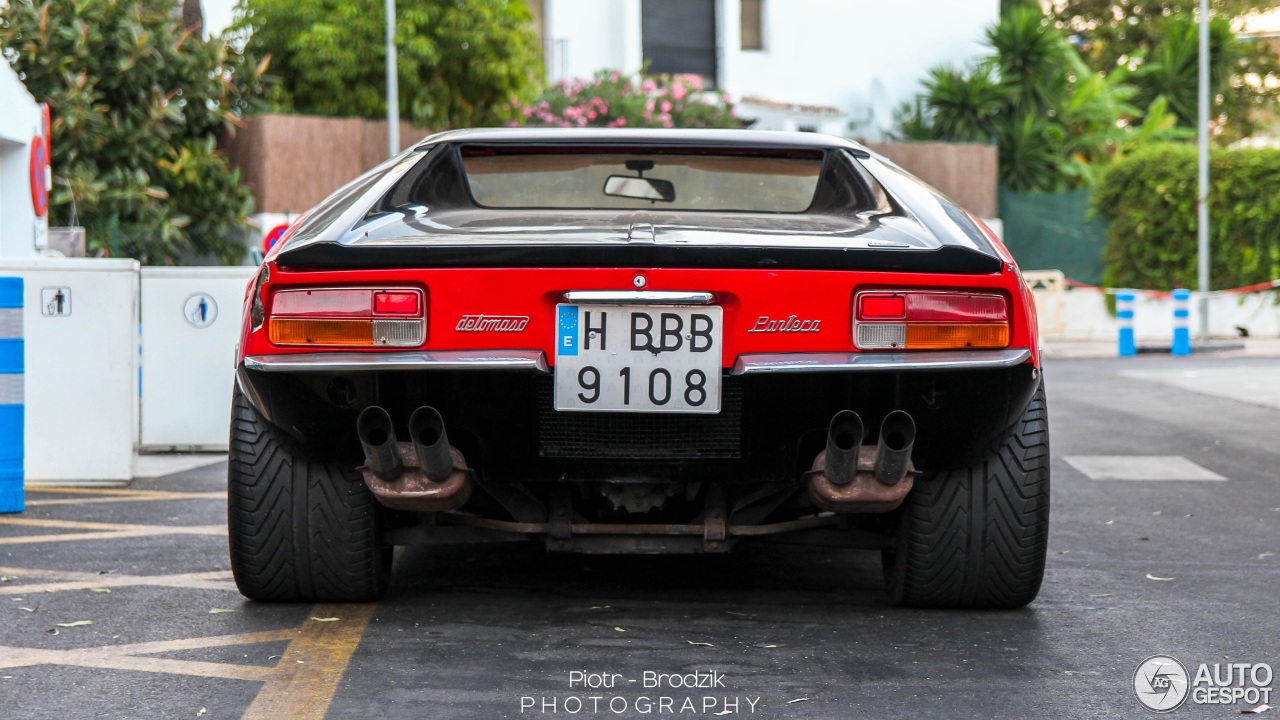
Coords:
pixel 1159 42
pixel 966 104
pixel 1055 120
pixel 137 103
pixel 1031 58
pixel 460 62
pixel 611 99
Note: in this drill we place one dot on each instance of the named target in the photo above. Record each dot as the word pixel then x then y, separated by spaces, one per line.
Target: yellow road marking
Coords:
pixel 104 531
pixel 73 490
pixel 226 671
pixel 85 525
pixel 65 580
pixel 300 686
pixel 139 496
pixel 129 657
pixel 311 669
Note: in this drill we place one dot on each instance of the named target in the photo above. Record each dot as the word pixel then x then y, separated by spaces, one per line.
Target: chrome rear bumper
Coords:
pixel 536 361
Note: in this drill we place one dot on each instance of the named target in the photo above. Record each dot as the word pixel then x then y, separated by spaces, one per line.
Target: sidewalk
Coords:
pixel 1068 349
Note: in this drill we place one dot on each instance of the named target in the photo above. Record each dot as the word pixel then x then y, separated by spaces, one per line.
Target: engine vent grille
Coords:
pixel 640 436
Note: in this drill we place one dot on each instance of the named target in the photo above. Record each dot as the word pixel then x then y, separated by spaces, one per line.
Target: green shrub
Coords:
pixel 137 103
pixel 460 63
pixel 1149 198
pixel 611 99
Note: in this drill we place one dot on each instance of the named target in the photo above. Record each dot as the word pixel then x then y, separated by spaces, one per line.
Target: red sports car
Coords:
pixel 614 341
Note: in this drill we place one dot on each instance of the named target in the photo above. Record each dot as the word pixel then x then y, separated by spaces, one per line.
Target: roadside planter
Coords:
pixel 190 324
pixel 80 319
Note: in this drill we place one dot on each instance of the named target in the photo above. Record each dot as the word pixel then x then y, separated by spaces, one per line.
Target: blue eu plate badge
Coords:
pixel 568 330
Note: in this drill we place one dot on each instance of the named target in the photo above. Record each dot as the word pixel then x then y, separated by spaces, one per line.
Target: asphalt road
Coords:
pixel 1187 568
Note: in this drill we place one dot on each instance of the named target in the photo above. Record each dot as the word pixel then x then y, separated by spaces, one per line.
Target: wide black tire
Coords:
pixel 301 530
pixel 977 537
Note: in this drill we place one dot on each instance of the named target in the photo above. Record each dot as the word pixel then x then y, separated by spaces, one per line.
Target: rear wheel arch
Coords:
pixel 977 536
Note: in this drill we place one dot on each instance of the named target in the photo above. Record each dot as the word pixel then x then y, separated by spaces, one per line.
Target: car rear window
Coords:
pixel 784 183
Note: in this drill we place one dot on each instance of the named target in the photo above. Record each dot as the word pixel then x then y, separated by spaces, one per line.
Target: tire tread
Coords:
pixel 300 529
pixel 977 537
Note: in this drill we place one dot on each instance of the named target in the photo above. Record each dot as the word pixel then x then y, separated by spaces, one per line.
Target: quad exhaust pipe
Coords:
pixel 426 474
pixel 893 452
pixel 378 438
pixel 431 443
pixel 849 477
pixel 844 441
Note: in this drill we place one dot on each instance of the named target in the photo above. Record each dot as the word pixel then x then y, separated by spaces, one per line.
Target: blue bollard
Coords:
pixel 12 498
pixel 1124 320
pixel 1181 322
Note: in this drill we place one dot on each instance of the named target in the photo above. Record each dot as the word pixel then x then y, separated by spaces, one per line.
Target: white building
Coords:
pixel 838 66
pixel 24 227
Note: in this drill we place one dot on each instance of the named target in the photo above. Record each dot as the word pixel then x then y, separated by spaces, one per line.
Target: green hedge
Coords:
pixel 1149 199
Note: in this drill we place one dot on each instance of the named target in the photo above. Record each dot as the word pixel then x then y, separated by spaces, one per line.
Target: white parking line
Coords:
pixel 1141 467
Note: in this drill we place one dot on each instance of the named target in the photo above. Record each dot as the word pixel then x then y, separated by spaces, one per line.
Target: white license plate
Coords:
pixel 638 358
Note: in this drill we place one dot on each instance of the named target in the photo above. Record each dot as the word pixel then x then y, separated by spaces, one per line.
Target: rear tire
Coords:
pixel 300 529
pixel 977 537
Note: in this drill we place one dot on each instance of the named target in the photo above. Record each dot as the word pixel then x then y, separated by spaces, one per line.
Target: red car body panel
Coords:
pixel 747 296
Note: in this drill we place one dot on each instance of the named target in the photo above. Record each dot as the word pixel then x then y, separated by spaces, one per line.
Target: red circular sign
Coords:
pixel 39 175
pixel 273 237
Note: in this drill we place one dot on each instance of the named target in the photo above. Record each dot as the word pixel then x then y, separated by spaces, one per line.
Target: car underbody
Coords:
pixel 610 482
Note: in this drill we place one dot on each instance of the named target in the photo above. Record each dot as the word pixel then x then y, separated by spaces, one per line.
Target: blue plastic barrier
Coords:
pixel 1124 320
pixel 1181 322
pixel 12 353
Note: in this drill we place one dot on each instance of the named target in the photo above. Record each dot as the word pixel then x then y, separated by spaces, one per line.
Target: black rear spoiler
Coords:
pixel 389 255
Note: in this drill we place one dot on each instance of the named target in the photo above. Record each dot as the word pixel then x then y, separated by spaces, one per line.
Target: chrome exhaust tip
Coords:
pixel 844 438
pixel 431 443
pixel 893 452
pixel 378 439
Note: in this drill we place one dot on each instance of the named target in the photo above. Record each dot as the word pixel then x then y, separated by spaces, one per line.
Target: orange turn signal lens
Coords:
pixel 372 333
pixel 291 331
pixel 951 337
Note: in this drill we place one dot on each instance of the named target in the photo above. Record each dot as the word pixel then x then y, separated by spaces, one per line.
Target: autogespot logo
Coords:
pixel 1161 683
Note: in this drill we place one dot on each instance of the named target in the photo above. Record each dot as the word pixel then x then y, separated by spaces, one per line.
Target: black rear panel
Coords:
pixel 639 436
pixel 771 427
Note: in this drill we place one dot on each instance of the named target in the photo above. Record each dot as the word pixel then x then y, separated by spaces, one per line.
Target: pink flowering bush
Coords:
pixel 611 99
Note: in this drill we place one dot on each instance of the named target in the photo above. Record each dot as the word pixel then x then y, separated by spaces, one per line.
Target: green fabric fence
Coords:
pixel 1054 232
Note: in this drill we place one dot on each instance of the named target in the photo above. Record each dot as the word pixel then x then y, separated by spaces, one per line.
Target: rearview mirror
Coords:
pixel 640 188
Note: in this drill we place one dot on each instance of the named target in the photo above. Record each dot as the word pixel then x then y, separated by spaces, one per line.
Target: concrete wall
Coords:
pixel 22 234
pixel 1081 314
pixel 583 36
pixel 862 56
pixel 292 162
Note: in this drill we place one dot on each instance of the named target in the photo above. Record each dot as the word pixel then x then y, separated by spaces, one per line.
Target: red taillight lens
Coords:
pixel 882 307
pixel 395 303
pixel 930 321
pixel 956 307
pixel 389 317
pixel 352 302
